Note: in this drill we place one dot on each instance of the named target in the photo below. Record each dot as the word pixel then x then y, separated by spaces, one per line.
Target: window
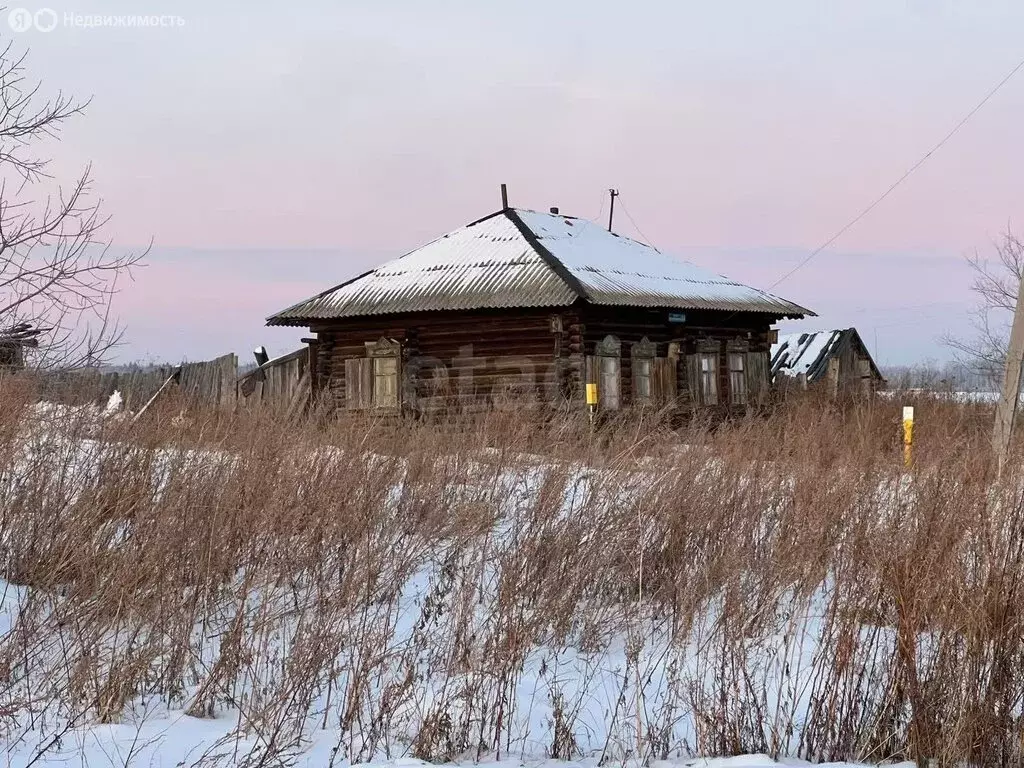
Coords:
pixel 643 365
pixel 709 378
pixel 384 360
pixel 642 378
pixel 385 382
pixel 609 372
pixel 737 378
pixel 608 389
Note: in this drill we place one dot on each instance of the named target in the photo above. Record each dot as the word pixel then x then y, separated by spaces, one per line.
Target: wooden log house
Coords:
pixel 526 308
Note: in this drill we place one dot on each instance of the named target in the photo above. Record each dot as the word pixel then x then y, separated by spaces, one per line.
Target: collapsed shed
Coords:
pixel 837 358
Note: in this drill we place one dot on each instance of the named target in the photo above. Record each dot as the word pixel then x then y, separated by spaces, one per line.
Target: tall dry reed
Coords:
pixel 516 586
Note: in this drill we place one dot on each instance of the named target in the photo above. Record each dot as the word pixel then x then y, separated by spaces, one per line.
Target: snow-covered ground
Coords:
pixel 611 689
pixel 958 396
pixel 173 740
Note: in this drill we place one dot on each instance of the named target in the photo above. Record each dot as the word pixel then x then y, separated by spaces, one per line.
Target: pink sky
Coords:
pixel 740 134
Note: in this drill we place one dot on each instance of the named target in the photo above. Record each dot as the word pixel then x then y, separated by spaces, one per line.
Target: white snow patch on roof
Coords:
pixel 799 351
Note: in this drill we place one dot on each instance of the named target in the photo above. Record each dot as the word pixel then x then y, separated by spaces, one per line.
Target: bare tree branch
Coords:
pixel 995 286
pixel 56 269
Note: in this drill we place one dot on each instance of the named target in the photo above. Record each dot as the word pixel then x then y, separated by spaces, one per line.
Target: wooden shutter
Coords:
pixel 638 373
pixel 693 376
pixel 757 377
pixel 739 392
pixel 358 383
pixel 644 387
pixel 663 380
pixel 609 389
pixel 352 384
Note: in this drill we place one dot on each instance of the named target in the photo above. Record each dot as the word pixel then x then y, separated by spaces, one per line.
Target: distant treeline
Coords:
pixel 953 376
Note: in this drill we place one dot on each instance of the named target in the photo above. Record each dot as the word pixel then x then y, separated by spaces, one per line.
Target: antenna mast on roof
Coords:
pixel 504 197
pixel 611 210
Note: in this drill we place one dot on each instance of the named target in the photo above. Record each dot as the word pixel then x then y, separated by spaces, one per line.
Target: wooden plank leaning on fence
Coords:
pixel 211 382
pixel 170 379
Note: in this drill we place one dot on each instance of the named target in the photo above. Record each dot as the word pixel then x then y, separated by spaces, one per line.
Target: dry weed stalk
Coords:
pixel 517 587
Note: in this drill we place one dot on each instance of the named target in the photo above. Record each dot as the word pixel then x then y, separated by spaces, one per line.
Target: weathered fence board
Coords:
pixel 136 386
pixel 211 382
pixel 283 381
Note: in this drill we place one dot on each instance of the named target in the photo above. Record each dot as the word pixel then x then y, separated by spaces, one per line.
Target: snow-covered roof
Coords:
pixel 805 353
pixel 808 352
pixel 522 258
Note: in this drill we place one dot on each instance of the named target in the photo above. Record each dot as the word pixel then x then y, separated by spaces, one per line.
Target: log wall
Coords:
pixel 466 360
pixel 452 360
pixel 702 331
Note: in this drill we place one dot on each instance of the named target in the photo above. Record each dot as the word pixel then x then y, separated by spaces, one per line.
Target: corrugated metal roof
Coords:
pixel 519 258
pixel 617 270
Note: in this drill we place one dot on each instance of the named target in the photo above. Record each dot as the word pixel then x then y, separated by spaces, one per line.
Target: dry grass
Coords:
pixel 512 586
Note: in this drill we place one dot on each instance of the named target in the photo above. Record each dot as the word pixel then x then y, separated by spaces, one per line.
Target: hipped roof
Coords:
pixel 522 258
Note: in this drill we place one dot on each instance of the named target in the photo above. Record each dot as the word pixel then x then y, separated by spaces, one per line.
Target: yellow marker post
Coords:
pixel 592 400
pixel 908 434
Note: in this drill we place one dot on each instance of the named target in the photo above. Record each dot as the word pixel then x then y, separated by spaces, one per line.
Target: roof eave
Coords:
pixel 298 322
pixel 801 314
pixel 281 319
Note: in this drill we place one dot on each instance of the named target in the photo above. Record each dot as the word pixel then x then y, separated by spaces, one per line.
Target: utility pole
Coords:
pixel 1007 408
pixel 611 211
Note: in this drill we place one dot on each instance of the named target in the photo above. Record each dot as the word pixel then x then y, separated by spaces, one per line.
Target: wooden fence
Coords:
pixel 211 382
pixel 282 382
pixel 136 385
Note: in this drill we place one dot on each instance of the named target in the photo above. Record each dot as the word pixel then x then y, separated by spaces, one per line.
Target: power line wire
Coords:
pixel 635 226
pixel 904 177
